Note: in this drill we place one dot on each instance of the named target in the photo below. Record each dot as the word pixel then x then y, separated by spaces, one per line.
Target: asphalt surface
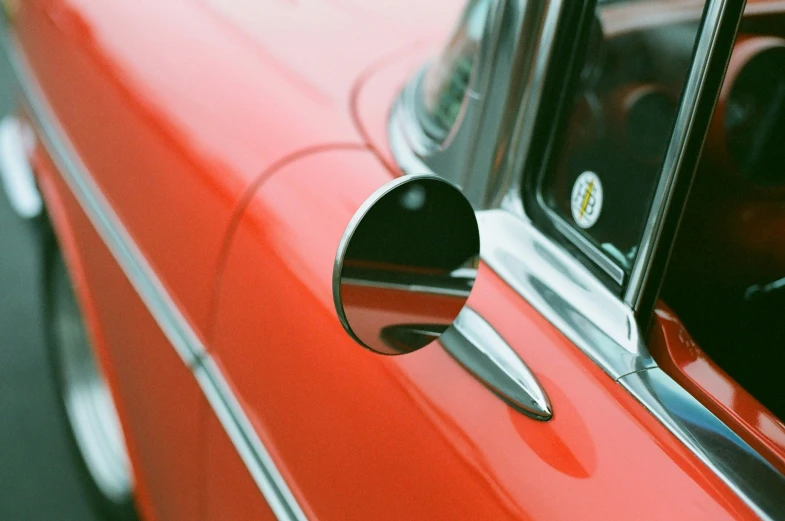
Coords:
pixel 38 479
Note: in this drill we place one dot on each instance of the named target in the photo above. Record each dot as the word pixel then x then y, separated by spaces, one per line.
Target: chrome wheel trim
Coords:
pixel 89 406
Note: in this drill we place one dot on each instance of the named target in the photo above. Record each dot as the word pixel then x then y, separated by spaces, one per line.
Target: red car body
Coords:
pixel 234 141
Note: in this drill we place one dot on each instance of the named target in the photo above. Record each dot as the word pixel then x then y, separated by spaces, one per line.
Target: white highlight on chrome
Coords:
pixel 16 142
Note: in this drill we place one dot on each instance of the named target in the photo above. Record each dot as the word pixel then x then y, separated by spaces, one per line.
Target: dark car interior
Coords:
pixel 620 123
pixel 727 275
pixel 726 280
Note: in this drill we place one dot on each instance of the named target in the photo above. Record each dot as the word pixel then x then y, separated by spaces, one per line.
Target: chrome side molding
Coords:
pixel 750 476
pixel 482 352
pixel 100 213
pixel 254 454
pixel 16 173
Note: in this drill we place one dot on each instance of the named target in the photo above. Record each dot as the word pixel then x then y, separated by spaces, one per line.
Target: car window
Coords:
pixel 447 79
pixel 606 164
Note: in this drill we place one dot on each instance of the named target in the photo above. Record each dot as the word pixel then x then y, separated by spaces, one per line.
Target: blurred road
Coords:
pixel 37 478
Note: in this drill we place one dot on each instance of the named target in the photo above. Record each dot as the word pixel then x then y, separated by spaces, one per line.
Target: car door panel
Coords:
pixel 99 122
pixel 303 373
pixel 130 149
pixel 170 167
pixel 359 435
pixel 160 404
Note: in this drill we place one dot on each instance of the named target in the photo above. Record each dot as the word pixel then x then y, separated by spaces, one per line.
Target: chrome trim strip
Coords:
pixel 597 255
pixel 185 341
pixel 452 155
pixel 514 24
pixel 525 120
pixel 518 125
pixel 511 245
pixel 252 451
pixel 750 476
pixel 476 345
pixel 16 173
pixel 555 283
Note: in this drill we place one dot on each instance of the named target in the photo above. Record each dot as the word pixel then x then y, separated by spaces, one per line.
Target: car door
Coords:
pixel 153 119
pixel 137 208
pixel 324 429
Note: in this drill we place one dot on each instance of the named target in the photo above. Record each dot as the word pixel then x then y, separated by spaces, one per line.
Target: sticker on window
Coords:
pixel 586 201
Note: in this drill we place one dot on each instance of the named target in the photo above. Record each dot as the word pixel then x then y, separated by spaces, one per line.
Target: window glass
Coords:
pixel 445 85
pixel 607 163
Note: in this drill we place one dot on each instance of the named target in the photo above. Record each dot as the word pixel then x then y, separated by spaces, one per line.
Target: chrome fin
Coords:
pixel 488 357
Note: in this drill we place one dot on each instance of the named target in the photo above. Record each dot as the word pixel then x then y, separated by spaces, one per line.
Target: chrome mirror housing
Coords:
pixel 406 264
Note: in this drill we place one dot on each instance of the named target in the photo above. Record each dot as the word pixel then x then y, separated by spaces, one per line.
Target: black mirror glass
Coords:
pixel 406 264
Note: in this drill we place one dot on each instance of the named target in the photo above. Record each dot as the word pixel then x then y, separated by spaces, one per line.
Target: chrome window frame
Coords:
pixel 533 41
pixel 639 287
pixel 603 324
pixel 461 153
pixel 681 160
pixel 426 143
pixel 453 152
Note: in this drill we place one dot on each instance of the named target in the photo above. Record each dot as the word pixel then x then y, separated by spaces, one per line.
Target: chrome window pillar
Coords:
pixel 534 51
pixel 712 53
pixel 504 66
pixel 452 157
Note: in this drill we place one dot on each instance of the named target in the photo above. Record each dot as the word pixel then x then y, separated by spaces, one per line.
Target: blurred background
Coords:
pixel 37 476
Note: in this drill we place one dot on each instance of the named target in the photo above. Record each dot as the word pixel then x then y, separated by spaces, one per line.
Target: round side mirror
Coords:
pixel 406 264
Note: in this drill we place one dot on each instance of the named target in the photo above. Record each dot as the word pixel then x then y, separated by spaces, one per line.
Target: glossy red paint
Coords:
pixel 173 139
pixel 685 362
pixel 416 437
pixel 185 114
pixel 235 89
